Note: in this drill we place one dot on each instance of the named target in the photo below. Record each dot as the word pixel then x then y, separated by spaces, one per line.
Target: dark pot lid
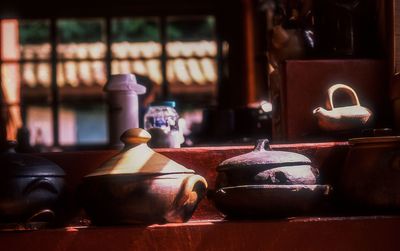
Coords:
pixel 263 157
pixel 27 165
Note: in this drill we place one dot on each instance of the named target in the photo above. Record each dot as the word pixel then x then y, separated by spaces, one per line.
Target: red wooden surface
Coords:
pixel 207 230
pixel 296 234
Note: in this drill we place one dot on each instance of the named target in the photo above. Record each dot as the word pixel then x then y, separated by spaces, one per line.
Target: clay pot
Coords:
pixel 31 189
pixel 139 185
pixel 264 166
pixel 266 183
pixel 342 118
pixel 371 175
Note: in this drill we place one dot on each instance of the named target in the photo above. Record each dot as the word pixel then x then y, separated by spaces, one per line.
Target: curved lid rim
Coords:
pixel 27 165
pixel 137 174
pixel 264 160
pixel 229 167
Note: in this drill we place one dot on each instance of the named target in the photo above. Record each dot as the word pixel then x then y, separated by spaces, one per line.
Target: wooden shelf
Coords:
pixel 338 233
pixel 208 230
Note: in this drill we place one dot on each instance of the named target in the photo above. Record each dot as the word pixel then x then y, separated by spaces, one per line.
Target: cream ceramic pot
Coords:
pixel 342 118
pixel 139 185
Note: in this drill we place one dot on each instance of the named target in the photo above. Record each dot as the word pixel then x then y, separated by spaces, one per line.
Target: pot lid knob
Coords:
pixel 262 145
pixel 135 136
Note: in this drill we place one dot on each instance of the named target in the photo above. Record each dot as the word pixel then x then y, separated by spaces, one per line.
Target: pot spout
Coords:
pixel 320 112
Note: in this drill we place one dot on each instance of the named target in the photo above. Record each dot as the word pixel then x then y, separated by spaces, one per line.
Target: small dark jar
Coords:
pixel 31 189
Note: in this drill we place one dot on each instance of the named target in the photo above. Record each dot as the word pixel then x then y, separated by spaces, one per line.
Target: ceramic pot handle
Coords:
pixel 347 89
pixel 189 195
pixel 186 200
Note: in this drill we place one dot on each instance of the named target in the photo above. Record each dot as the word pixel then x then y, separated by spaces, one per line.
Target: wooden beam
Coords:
pixel 249 64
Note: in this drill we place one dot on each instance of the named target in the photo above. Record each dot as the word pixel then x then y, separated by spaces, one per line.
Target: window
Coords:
pixel 26 69
pixel 59 67
pixel 81 74
pixel 191 58
pixel 136 49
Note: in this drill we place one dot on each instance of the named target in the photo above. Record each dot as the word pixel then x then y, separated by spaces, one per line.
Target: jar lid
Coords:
pixel 124 82
pixel 18 164
pixel 137 158
pixel 164 103
pixel 262 157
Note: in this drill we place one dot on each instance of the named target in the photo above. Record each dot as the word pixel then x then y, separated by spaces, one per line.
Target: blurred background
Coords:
pixel 221 61
pixel 84 60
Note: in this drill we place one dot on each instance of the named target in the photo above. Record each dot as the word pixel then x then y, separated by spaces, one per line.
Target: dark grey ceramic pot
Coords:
pixel 31 188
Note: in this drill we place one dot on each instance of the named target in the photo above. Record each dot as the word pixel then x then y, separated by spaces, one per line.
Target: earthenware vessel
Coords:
pixel 31 188
pixel 139 185
pixel 342 118
pixel 266 183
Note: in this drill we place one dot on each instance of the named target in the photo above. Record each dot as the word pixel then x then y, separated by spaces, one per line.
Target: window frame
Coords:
pixel 54 59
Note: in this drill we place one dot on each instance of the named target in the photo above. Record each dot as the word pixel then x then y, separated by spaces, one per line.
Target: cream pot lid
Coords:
pixel 138 158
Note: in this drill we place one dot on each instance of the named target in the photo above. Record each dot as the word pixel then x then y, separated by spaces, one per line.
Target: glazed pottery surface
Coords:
pixel 286 175
pixel 31 188
pixel 139 185
pixel 126 199
pixel 270 200
pixel 30 199
pixel 264 166
pixel 267 183
pixel 342 118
